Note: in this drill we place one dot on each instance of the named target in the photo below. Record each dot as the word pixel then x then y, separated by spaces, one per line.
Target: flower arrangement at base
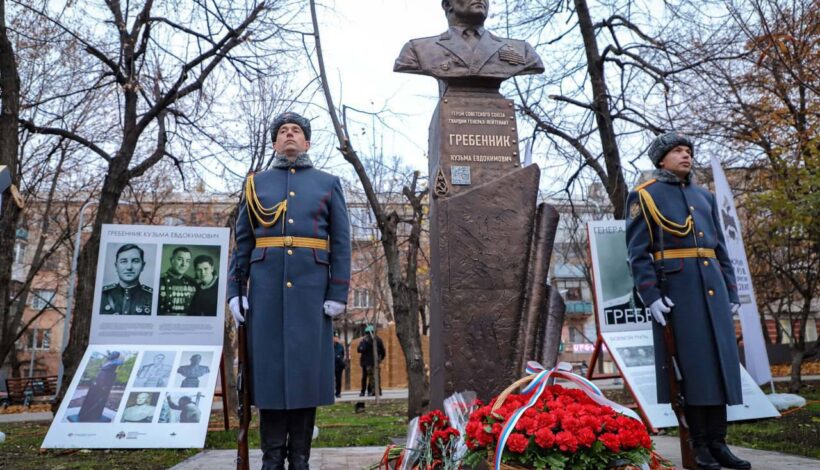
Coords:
pixel 438 442
pixel 563 429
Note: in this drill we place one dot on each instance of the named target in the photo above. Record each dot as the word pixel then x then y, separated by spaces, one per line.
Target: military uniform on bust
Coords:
pixel 672 225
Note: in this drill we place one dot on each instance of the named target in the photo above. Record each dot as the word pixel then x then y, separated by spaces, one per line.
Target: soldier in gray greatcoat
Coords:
pixel 291 267
pixel 672 224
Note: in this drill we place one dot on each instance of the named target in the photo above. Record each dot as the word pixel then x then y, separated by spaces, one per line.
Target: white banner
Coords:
pixel 627 331
pixel 757 360
pixel 148 376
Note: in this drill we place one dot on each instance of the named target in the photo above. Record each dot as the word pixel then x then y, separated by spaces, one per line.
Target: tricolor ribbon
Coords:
pixel 541 378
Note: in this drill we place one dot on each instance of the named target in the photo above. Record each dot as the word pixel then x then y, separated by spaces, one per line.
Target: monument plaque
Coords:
pixel 482 210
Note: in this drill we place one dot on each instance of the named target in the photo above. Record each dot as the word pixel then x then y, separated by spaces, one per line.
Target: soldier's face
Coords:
pixel 472 10
pixel 204 273
pixel 158 359
pixel 129 266
pixel 678 160
pixel 143 398
pixel 290 141
pixel 180 262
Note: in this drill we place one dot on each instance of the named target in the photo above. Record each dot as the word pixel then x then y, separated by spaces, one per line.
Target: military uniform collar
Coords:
pixel 458 30
pixel 302 161
pixel 667 176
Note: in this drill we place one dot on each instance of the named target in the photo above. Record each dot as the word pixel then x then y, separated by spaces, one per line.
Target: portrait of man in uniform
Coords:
pixel 467 50
pixel 176 284
pixel 155 369
pixel 128 295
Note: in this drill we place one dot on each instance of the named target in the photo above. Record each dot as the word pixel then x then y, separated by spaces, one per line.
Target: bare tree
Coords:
pixel 152 64
pixel 592 107
pixel 9 146
pixel 764 106
pixel 402 276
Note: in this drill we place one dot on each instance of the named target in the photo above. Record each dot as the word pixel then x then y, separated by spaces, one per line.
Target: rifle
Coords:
pixel 678 400
pixel 243 402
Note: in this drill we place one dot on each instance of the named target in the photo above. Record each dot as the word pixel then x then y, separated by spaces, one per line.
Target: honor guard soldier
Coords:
pixel 176 287
pixel 673 235
pixel 291 267
pixel 128 296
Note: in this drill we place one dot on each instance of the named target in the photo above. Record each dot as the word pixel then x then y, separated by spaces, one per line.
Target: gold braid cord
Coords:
pixel 264 216
pixel 668 226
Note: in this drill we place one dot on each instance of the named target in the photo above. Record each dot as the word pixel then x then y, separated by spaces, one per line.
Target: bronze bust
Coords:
pixel 466 50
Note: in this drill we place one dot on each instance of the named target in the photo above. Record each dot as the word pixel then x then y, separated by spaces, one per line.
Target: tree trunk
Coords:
pixel 9 144
pixel 795 382
pixel 615 184
pixel 407 330
pixel 87 272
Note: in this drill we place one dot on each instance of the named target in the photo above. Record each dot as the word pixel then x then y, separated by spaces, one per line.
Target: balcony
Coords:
pixel 578 307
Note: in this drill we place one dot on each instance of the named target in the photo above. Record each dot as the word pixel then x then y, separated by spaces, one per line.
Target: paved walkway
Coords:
pixel 351 458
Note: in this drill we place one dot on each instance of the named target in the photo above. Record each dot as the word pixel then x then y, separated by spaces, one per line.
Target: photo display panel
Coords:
pixel 148 376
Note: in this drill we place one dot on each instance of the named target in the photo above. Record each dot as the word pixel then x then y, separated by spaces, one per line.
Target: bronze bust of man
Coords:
pixel 466 50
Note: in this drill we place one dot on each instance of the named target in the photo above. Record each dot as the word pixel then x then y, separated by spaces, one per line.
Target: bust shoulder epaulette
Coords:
pixel 645 184
pixel 146 288
pixel 109 286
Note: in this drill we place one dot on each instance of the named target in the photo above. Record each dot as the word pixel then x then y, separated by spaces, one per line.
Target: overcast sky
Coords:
pixel 362 39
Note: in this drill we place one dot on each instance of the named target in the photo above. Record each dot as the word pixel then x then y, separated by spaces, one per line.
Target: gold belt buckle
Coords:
pixel 288 241
pixel 701 253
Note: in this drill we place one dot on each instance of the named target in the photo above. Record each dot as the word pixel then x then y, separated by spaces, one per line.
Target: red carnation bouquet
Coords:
pixel 564 429
pixel 439 442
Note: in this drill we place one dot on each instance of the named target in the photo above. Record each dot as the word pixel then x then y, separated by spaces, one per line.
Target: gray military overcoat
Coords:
pixel 290 339
pixel 700 288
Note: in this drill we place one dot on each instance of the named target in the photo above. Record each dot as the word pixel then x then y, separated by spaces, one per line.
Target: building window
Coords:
pixel 41 298
pixel 40 339
pixel 362 299
pixel 19 251
pixel 362 223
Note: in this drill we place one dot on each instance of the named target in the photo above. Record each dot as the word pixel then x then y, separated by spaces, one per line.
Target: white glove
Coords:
pixel 234 305
pixel 333 308
pixel 659 307
pixel 735 308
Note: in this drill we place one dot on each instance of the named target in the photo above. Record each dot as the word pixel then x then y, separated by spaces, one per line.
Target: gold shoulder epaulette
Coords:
pixel 265 216
pixel 644 184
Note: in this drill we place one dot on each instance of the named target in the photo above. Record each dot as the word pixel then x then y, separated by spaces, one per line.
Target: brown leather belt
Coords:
pixel 685 253
pixel 296 242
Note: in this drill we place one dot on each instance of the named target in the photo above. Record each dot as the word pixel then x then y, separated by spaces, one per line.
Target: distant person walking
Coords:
pixel 340 361
pixel 366 360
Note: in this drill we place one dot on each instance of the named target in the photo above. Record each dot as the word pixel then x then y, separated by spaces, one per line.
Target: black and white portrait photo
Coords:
pixel 154 369
pixel 194 369
pixel 189 283
pixel 140 407
pixel 127 279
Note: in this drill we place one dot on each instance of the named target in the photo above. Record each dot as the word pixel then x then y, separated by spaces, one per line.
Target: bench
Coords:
pixel 25 390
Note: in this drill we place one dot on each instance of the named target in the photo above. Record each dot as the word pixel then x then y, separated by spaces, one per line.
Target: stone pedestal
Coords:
pixel 481 221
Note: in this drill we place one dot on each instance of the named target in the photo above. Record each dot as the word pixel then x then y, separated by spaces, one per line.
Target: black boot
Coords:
pixel 696 419
pixel 300 434
pixel 716 439
pixel 273 436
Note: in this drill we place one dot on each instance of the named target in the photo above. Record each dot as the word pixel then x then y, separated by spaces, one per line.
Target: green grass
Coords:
pixel 796 432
